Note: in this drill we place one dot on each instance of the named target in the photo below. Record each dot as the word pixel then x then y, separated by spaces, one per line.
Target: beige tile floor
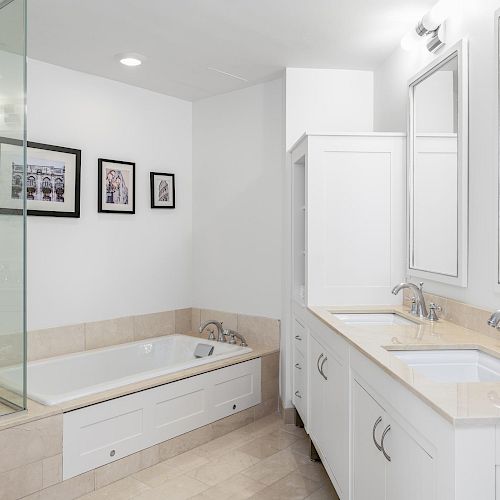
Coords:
pixel 266 460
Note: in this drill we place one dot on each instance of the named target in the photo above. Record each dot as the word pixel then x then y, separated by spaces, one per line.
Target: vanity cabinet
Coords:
pixel 388 464
pixel 329 407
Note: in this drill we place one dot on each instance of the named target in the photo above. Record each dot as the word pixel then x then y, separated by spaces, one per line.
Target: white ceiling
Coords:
pixel 181 39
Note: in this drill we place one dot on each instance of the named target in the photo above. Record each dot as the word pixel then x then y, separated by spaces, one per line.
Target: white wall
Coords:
pixel 237 200
pixel 109 265
pixel 475 21
pixel 327 100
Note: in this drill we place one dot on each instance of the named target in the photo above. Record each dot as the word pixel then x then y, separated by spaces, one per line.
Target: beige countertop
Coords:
pixel 37 411
pixel 460 403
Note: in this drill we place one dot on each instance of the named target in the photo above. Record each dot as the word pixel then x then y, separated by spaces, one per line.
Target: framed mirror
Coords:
pixel 438 169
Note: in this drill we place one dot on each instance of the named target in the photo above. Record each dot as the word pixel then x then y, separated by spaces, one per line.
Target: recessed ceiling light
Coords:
pixel 130 59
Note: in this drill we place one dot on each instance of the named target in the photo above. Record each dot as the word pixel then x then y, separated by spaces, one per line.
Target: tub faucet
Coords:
pixel 494 320
pixel 421 308
pixel 235 335
pixel 220 329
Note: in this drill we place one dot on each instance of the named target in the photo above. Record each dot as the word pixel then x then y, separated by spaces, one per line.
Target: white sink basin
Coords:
pixel 466 365
pixel 373 319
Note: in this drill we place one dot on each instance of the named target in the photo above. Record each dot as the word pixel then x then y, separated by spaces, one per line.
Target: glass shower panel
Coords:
pixel 12 205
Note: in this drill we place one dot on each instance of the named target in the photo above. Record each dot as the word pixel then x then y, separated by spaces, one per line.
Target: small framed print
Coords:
pixel 52 179
pixel 162 190
pixel 116 186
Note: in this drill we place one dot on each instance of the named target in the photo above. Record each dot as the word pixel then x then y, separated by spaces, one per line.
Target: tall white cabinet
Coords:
pixel 348 218
pixel 348 248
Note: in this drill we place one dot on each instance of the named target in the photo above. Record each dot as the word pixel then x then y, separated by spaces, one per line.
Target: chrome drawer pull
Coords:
pixel 321 368
pixel 317 363
pixel 386 430
pixel 298 337
pixel 297 393
pixel 379 447
pixel 297 365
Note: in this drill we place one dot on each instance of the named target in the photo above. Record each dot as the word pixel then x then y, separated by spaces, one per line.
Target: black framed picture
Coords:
pixel 52 179
pixel 162 190
pixel 116 186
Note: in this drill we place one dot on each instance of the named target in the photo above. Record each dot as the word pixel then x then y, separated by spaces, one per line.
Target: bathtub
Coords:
pixel 63 378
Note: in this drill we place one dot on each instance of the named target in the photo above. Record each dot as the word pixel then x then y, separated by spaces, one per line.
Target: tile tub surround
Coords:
pixel 258 330
pixel 42 344
pixel 75 338
pixel 31 461
pixel 471 317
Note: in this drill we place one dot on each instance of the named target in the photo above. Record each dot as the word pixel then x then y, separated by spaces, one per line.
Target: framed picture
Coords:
pixel 52 179
pixel 116 187
pixel 162 190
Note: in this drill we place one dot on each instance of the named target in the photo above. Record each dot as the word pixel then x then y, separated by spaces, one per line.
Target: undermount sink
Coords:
pixel 373 319
pixel 453 365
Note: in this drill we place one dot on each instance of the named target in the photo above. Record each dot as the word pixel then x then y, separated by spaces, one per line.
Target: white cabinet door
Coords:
pixel 388 464
pixel 336 423
pixel 368 475
pixel 317 420
pixel 410 471
pixel 370 170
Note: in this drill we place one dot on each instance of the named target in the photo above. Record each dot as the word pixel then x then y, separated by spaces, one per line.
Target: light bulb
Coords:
pixel 410 40
pixel 439 13
pixel 130 61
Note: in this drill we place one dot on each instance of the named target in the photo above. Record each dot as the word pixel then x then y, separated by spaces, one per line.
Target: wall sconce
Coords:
pixel 430 28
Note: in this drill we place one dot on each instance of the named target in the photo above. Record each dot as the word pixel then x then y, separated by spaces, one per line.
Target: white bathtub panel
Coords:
pixel 177 408
pixel 236 389
pixel 180 407
pixel 102 433
pixel 105 432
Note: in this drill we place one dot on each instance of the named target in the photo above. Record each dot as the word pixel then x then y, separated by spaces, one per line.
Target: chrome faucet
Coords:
pixel 220 330
pixel 494 320
pixel 421 308
pixel 223 333
pixel 235 335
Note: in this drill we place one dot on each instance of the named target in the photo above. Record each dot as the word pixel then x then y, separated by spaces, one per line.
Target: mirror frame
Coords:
pixel 459 50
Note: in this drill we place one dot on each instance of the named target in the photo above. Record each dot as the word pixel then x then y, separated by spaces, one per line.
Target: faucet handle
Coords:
pixel 433 310
pixel 421 285
pixel 413 309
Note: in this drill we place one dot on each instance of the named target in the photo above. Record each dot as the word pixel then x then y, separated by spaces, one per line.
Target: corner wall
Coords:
pixel 237 192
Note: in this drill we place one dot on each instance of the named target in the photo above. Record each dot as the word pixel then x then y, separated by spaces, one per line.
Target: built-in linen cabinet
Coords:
pixel 348 218
pixel 388 464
